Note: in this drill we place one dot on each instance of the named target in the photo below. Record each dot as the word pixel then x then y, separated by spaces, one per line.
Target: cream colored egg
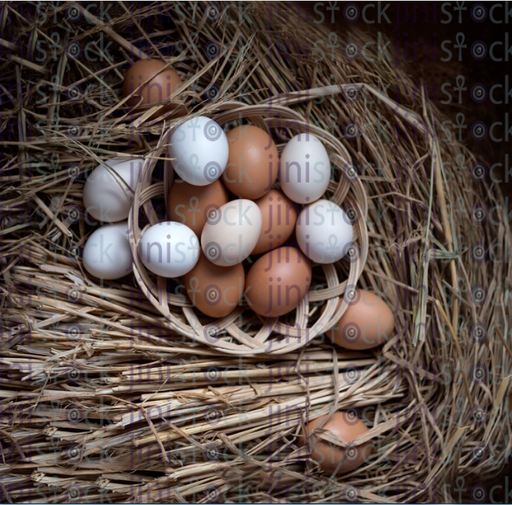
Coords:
pixel 231 233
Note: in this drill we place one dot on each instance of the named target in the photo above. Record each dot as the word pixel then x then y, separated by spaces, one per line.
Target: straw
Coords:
pixel 121 391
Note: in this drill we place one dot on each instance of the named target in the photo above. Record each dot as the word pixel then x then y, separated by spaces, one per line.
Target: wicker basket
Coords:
pixel 225 334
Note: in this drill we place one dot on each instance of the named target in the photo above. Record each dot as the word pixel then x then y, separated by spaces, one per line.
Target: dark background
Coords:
pixel 420 28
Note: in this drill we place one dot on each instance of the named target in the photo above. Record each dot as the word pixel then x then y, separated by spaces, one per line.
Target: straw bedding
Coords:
pixel 103 401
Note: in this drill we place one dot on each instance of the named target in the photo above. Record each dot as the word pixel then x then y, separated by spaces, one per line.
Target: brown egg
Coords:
pixel 215 290
pixel 157 90
pixel 279 215
pixel 367 323
pixel 346 426
pixel 191 205
pixel 278 281
pixel 253 162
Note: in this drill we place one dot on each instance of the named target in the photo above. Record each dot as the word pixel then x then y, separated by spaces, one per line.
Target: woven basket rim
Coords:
pixel 348 189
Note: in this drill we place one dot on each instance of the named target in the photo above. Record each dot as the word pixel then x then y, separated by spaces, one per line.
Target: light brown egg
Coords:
pixel 278 281
pixel 157 90
pixel 215 290
pixel 253 162
pixel 367 323
pixel 279 215
pixel 346 426
pixel 192 205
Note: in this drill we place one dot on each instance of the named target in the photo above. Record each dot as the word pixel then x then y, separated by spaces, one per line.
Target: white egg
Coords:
pixel 169 249
pixel 107 253
pixel 324 232
pixel 106 197
pixel 231 232
pixel 200 150
pixel 305 169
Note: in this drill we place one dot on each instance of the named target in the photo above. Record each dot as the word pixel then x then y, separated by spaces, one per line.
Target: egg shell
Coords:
pixel 231 233
pixel 368 322
pixel 157 90
pixel 279 216
pixel 305 169
pixel 253 163
pixel 106 197
pixel 169 249
pixel 191 205
pixel 345 426
pixel 324 232
pixel 199 149
pixel 107 254
pixel 215 290
pixel 278 281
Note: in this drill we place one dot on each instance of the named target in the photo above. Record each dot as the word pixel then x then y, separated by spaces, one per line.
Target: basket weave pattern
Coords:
pixel 226 334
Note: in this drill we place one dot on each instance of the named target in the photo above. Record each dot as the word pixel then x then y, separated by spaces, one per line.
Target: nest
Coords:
pixel 105 399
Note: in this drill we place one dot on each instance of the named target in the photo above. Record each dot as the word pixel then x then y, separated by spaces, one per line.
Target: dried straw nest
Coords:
pixel 102 401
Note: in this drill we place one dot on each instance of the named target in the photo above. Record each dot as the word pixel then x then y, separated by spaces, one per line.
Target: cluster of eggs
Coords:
pixel 226 212
pixel 223 209
pixel 229 233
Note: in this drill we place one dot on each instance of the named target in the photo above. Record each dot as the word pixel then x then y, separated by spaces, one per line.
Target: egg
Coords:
pixel 231 233
pixel 108 192
pixel 279 216
pixel 305 169
pixel 107 254
pixel 215 290
pixel 253 162
pixel 158 89
pixel 169 249
pixel 278 281
pixel 324 232
pixel 346 426
pixel 199 149
pixel 367 322
pixel 191 205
